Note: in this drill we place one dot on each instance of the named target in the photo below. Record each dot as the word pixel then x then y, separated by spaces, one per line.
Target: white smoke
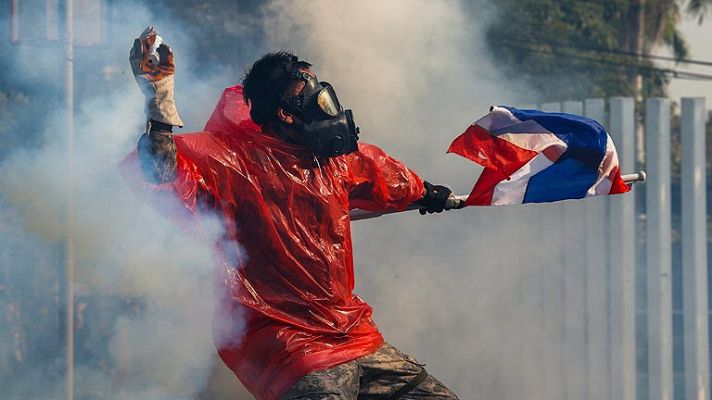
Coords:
pixel 459 290
pixel 462 291
pixel 161 346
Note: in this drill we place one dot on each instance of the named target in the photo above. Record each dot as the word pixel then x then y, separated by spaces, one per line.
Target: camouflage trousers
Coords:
pixel 375 376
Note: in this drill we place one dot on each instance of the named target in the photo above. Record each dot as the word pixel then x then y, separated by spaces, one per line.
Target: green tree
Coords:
pixel 583 48
pixel 226 33
pixel 699 8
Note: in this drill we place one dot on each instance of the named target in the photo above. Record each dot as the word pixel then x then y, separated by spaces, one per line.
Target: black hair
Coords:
pixel 264 84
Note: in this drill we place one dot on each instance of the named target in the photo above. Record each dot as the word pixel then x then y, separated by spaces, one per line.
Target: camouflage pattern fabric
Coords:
pixel 376 376
pixel 157 156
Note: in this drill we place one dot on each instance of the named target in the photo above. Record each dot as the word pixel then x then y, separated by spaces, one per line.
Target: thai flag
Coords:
pixel 531 156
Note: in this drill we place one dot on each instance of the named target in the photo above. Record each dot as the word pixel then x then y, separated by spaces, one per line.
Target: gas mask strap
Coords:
pixel 295 111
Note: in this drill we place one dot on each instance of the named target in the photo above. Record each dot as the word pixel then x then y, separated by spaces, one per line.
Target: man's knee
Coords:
pixel 389 372
pixel 430 388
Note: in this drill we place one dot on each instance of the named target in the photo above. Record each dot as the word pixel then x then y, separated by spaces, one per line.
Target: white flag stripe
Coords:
pixel 512 191
pixel 528 126
pixel 528 135
pixel 498 118
pixel 537 142
pixel 608 165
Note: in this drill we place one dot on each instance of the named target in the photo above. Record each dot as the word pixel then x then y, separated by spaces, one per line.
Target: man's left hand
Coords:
pixel 437 198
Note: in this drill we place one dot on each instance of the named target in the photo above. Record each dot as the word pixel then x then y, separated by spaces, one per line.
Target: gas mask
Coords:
pixel 328 130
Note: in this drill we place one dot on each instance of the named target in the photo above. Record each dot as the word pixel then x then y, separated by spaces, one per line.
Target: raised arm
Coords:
pixel 153 67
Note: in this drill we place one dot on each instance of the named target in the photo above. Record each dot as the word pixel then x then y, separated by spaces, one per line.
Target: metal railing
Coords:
pixel 599 276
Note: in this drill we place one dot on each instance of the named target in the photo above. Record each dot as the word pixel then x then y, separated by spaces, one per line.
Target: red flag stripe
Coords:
pixel 491 152
pixel 483 191
pixel 617 186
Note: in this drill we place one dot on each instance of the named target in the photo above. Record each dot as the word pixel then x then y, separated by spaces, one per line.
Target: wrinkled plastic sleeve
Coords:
pixel 380 182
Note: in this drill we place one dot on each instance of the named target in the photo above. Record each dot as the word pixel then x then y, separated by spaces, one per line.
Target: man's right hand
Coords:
pixel 154 71
pixel 144 63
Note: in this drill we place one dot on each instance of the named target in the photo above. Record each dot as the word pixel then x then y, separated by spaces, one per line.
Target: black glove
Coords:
pixel 437 198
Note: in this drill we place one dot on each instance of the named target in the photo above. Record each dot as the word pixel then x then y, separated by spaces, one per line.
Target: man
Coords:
pixel 282 174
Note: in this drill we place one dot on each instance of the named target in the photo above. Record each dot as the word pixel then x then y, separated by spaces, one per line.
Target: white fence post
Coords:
pixel 574 275
pixel 596 278
pixel 550 107
pixel 659 249
pixel 552 299
pixel 694 250
pixel 622 258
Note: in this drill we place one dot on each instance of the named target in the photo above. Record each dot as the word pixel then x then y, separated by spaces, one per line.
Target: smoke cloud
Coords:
pixel 156 277
pixel 461 291
pixel 464 291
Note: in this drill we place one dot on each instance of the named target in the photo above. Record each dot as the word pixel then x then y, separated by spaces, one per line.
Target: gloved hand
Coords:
pixel 437 198
pixel 154 71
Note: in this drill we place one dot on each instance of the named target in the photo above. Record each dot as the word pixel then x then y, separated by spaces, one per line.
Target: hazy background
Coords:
pixel 698 38
pixel 461 291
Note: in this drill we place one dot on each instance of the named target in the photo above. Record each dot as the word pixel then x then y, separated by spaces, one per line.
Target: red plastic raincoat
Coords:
pixel 291 287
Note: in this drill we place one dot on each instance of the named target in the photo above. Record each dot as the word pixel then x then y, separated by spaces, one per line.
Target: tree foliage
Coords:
pixel 228 33
pixel 583 48
pixel 699 8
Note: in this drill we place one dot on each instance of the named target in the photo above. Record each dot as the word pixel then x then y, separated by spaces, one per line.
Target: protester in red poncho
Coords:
pixel 282 174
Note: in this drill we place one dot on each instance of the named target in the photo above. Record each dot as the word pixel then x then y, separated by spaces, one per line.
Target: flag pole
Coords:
pixel 359 214
pixel 69 243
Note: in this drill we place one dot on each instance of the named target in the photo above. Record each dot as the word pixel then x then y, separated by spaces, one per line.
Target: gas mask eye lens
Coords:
pixel 326 101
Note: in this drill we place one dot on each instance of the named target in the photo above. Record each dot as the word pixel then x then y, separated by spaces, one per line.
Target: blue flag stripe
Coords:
pixel 577 169
pixel 566 179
